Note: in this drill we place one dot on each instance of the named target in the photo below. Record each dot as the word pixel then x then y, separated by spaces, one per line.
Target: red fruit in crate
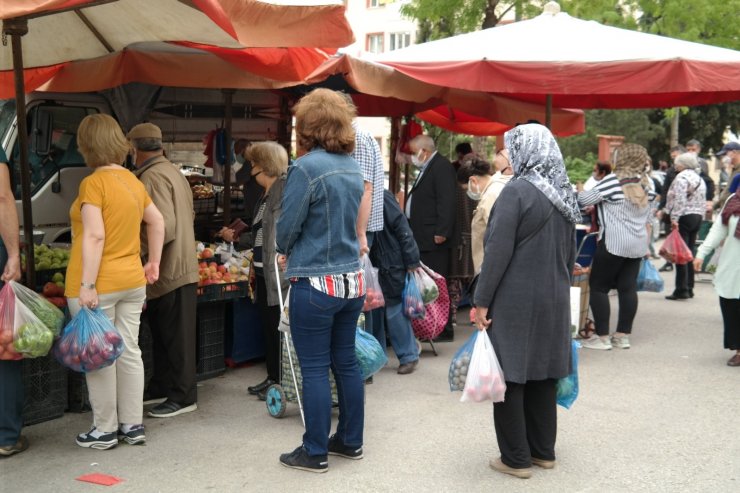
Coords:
pixel 203 265
pixel 49 290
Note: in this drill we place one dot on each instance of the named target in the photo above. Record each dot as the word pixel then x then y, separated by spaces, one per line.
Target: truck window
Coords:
pixel 63 152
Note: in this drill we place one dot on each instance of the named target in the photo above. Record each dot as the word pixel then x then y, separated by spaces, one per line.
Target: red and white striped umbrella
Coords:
pixel 580 64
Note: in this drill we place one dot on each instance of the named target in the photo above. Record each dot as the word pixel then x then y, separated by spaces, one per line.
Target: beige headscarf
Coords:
pixel 630 163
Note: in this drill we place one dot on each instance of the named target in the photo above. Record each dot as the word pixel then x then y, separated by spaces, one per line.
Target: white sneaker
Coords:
pixel 621 342
pixel 596 342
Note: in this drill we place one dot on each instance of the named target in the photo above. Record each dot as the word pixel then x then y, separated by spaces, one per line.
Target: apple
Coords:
pixel 206 253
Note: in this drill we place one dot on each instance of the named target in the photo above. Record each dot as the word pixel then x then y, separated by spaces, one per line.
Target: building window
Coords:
pixel 400 40
pixel 372 4
pixel 375 43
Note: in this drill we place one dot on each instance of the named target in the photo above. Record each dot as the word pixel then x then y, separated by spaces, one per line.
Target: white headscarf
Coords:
pixel 535 157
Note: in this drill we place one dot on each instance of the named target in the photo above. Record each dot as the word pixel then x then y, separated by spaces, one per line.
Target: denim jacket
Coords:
pixel 317 227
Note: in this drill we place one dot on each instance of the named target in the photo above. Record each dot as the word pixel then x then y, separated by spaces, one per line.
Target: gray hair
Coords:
pixel 147 144
pixel 687 160
pixel 423 142
pixel 693 142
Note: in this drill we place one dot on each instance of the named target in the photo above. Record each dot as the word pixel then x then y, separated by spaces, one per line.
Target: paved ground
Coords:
pixel 662 416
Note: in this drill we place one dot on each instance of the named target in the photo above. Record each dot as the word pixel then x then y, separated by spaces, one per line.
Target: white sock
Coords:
pixel 96 433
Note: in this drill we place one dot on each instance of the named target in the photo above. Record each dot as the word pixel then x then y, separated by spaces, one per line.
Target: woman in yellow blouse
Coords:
pixel 105 270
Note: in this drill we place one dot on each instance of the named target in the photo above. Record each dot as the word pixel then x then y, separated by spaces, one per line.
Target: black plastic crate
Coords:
pixel 44 385
pixel 204 206
pixel 78 399
pixel 210 333
pixel 222 292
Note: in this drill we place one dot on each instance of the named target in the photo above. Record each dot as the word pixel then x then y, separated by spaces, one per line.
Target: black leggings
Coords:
pixel 731 318
pixel 608 272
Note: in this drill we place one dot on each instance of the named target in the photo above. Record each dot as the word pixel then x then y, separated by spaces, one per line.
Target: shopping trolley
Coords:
pixel 290 387
pixel 580 279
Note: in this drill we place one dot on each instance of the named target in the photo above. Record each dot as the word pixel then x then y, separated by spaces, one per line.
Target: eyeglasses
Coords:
pixel 256 174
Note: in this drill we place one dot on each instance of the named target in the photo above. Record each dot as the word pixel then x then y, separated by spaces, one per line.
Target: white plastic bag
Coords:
pixel 485 380
pixel 373 294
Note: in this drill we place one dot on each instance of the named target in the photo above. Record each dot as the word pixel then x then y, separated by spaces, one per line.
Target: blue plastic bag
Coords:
pixel 649 278
pixel 460 363
pixel 89 342
pixel 567 387
pixel 413 304
pixel 370 354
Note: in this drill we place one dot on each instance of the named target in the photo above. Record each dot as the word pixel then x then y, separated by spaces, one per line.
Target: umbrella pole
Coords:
pixel 548 111
pixel 393 175
pixel 17 28
pixel 228 108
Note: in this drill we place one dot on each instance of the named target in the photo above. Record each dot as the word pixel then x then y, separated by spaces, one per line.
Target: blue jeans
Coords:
pixel 11 388
pixel 401 334
pixel 323 329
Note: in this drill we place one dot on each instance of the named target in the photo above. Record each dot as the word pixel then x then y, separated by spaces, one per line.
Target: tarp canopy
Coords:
pixel 379 90
pixel 186 65
pixel 581 64
pixel 305 32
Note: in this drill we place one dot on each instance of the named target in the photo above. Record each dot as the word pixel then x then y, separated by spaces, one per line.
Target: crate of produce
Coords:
pixel 78 399
pixel 222 292
pixel 44 387
pixel 210 336
pixel 204 206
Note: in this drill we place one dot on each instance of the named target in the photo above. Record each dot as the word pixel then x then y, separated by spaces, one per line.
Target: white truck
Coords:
pixel 185 116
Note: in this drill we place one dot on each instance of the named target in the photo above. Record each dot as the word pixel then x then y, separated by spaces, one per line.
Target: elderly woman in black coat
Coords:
pixel 523 296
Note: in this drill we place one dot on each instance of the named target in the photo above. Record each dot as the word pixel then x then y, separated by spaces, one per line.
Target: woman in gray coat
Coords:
pixel 523 296
pixel 269 165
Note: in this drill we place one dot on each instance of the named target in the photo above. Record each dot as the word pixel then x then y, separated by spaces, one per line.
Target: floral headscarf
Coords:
pixel 536 158
pixel 630 163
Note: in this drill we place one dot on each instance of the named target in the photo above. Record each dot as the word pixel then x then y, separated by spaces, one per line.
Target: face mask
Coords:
pixel 240 159
pixel 473 195
pixel 416 160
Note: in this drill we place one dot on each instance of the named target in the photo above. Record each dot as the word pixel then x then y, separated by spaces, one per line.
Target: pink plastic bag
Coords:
pixel 437 312
pixel 7 318
pixel 485 380
pixel 675 250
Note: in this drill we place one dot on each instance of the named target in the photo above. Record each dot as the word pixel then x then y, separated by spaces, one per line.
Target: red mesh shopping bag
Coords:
pixel 437 312
pixel 675 250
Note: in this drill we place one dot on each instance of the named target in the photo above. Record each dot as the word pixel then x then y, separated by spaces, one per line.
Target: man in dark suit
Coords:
pixel 430 207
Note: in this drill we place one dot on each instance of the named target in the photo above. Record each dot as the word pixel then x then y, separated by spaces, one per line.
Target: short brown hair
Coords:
pixel 271 157
pixel 101 141
pixel 324 119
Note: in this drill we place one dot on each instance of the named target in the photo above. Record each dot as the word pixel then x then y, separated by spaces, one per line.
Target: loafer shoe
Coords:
pixel 16 448
pixel 498 465
pixel 734 361
pixel 407 368
pixel 677 297
pixel 256 389
pixel 544 464
pixel 170 409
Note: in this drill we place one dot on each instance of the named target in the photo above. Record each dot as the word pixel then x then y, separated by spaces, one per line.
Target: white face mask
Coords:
pixel 416 160
pixel 473 195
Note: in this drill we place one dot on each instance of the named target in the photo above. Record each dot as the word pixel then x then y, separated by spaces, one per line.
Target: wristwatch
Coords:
pixel 88 285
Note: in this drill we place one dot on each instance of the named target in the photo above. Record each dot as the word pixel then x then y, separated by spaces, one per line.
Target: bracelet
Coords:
pixel 88 285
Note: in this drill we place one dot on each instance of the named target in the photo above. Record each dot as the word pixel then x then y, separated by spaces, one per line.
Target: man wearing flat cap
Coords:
pixel 172 299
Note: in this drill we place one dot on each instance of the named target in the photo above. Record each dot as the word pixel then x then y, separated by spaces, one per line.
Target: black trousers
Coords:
pixel 526 422
pixel 608 272
pixel 270 321
pixel 688 228
pixel 172 321
pixel 11 402
pixel 731 317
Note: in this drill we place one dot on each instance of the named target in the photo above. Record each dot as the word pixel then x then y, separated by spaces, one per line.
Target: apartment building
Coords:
pixel 379 27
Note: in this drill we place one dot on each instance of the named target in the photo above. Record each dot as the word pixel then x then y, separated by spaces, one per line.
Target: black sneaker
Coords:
pixel 260 387
pixel 135 436
pixel 169 409
pixel 299 459
pixel 337 447
pixel 103 442
pixel 16 448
